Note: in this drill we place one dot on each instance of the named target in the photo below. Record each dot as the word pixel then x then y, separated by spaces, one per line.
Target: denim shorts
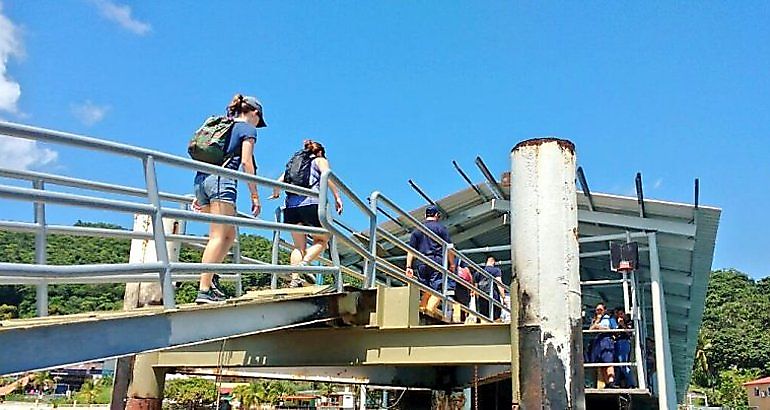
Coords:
pixel 214 188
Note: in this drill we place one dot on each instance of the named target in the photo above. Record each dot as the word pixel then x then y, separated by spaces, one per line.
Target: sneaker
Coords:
pixel 208 297
pixel 296 283
pixel 215 287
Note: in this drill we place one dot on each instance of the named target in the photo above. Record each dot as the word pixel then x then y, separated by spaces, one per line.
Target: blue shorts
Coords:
pixel 209 187
pixel 430 277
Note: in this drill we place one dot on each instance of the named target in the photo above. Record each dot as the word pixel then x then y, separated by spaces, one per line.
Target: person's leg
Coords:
pixel 297 255
pixel 221 237
pixel 316 249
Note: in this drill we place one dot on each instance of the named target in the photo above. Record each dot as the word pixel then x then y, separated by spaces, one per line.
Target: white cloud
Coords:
pixel 658 183
pixel 16 153
pixel 10 46
pixel 121 14
pixel 89 113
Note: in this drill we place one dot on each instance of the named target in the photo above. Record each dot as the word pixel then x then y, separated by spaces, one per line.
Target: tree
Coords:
pixel 88 392
pixel 42 382
pixel 730 391
pixel 246 394
pixel 191 393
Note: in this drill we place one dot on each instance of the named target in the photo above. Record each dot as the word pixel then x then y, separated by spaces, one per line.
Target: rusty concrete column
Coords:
pixel 146 389
pixel 545 258
pixel 137 384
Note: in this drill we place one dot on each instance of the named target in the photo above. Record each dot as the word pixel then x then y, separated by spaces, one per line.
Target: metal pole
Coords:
pixel 636 312
pixel 237 260
pixel 545 259
pixel 371 266
pixel 41 258
pixel 335 256
pixel 663 366
pixel 445 279
pixel 159 233
pixel 276 249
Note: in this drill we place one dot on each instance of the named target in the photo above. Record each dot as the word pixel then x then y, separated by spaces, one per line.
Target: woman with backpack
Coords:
pixel 303 210
pixel 217 194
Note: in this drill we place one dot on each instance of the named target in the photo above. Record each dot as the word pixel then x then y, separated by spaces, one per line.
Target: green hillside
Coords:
pixel 19 301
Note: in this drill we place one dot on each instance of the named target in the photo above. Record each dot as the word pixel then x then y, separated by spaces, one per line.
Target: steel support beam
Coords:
pixel 421 345
pixel 121 334
pixel 664 367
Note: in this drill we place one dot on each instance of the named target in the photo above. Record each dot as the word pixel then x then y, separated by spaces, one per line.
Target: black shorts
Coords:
pixel 306 215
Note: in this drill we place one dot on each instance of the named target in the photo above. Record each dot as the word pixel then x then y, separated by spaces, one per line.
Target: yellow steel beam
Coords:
pixel 420 345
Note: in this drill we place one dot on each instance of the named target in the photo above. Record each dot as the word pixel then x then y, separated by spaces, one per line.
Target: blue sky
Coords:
pixel 397 90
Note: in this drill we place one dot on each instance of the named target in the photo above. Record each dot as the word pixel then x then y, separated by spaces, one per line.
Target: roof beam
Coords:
pixel 635 222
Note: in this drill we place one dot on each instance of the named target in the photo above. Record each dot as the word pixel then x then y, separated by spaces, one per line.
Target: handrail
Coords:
pixel 378 197
pixel 373 262
pixel 86 184
pixel 164 269
pixel 65 138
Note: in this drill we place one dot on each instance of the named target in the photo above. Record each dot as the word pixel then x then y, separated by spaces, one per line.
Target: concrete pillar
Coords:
pixel 545 261
pixel 143 250
pixel 137 385
pixel 146 389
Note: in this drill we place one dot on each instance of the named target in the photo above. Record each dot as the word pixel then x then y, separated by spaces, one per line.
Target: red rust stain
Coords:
pixel 564 144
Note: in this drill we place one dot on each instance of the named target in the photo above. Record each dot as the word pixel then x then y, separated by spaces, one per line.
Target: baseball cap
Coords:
pixel 252 101
pixel 431 210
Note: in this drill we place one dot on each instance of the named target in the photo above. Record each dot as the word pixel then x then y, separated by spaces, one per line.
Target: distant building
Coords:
pixel 759 393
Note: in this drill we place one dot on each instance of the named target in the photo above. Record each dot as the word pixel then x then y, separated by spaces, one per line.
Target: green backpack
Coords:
pixel 209 143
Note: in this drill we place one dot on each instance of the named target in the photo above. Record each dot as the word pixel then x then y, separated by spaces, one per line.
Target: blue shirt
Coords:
pixel 483 282
pixel 241 131
pixel 428 246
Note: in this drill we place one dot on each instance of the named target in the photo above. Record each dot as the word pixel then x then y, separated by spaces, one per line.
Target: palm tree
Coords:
pixel 246 395
pixel 42 381
pixel 701 370
pixel 88 392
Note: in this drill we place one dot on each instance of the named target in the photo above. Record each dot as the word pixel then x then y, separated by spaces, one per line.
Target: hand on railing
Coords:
pixel 338 204
pixel 256 207
pixel 195 205
pixel 276 194
pixel 409 272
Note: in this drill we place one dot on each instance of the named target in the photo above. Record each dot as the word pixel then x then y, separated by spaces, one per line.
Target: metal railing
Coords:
pixel 374 263
pixel 164 270
pixel 365 245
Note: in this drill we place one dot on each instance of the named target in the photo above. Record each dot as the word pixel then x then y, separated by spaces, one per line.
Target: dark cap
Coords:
pixel 254 103
pixel 431 210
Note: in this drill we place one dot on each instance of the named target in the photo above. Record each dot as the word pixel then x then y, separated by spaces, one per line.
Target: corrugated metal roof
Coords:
pixel 685 260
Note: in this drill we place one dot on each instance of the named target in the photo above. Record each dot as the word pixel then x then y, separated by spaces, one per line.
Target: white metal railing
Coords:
pixel 167 271
pixel 41 274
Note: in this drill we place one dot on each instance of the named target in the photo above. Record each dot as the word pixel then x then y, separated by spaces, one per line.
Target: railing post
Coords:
pixel 445 248
pixel 335 254
pixel 237 260
pixel 41 243
pixel 159 234
pixel 276 248
pixel 371 266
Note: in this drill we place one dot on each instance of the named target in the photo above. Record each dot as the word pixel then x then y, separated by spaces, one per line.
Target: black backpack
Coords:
pixel 298 169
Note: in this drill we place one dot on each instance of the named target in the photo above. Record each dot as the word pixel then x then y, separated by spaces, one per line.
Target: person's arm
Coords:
pixel 500 286
pixel 249 167
pixel 409 260
pixel 410 256
pixel 451 255
pixel 323 165
pixel 277 191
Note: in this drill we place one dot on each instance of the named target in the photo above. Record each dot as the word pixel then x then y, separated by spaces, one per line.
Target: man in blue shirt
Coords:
pixel 427 275
pixel 484 282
